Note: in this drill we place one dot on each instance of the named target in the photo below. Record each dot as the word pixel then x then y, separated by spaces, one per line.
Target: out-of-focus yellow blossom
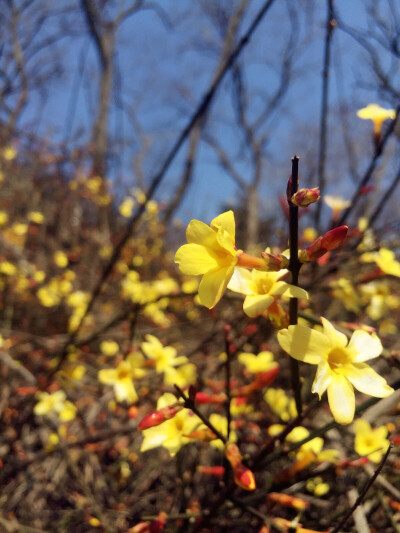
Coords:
pixel 341 364
pixel 137 260
pixel 7 268
pixel 317 486
pixel 370 442
pixel 314 446
pixel 387 326
pixel 181 376
pixel 60 259
pixel 163 356
pixel 257 363
pixel 336 203
pixel 52 293
pixel 105 252
pixel 377 114
pixel 78 299
pixel 280 403
pixel 57 403
pixel 103 200
pixel 171 434
pixel 210 252
pixel 190 286
pixel 385 259
pixel 379 298
pixel 109 347
pixel 39 276
pixel 74 371
pixel 152 207
pixel 94 184
pixel 1 176
pixel 127 206
pixel 94 522
pixel 52 441
pixel 20 228
pixel 221 424
pixel 344 291
pixel 261 288
pixel 3 218
pixel 36 217
pixel 139 195
pixel 309 234
pixel 121 378
pixel 239 406
pixel 9 153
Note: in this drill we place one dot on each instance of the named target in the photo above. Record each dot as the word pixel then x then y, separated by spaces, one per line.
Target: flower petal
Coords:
pixel 337 339
pixel 226 221
pixel 294 292
pixel 213 285
pixel 256 304
pixel 304 344
pixel 341 399
pixel 367 346
pixel 240 281
pixel 195 259
pixel 323 379
pixel 366 380
pixel 199 233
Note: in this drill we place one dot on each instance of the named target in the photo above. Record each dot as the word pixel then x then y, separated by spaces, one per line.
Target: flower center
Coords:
pixel 337 358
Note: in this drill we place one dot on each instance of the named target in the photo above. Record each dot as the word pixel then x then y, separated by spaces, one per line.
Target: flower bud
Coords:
pixel 233 454
pixel 217 471
pixel 334 238
pixel 275 263
pixel 314 251
pixel 204 398
pixel 244 477
pixel 156 418
pixel 305 197
pixel 288 501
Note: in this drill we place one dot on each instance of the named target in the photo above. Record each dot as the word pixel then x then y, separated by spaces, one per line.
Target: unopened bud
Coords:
pixel 288 501
pixel 305 197
pixel 334 238
pixel 244 477
pixel 289 187
pixel 217 471
pixel 158 417
pixel 204 398
pixel 313 252
pixel 275 263
pixel 233 454
pixel 206 435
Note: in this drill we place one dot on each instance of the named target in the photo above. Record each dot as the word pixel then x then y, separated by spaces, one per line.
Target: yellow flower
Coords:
pixel 60 259
pixel 181 376
pixel 221 424
pixel 385 259
pixel 19 228
pixel 121 378
pixel 3 218
pixel 344 291
pixel 312 448
pixel 210 252
pixel 164 356
pixel 55 402
pixel 260 289
pixel 336 203
pixel 370 442
pixel 109 347
pixel 377 114
pixel 280 403
pixel 171 434
pixel 127 206
pixel 9 153
pixel 36 217
pixel 341 364
pixel 257 363
pixel 7 268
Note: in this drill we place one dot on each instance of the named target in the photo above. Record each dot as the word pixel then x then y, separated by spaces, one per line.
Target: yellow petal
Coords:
pixel 366 380
pixel 368 346
pixel 341 399
pixel 227 222
pixel 124 390
pixel 195 259
pixel 336 338
pixel 107 376
pixel 256 304
pixel 323 379
pixel 213 285
pixel 153 437
pixel 199 233
pixel 294 292
pixel 241 281
pixel 304 344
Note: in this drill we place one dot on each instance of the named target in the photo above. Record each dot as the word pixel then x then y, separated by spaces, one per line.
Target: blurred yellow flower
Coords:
pixel 257 363
pixel 19 228
pixel 312 448
pixel 109 347
pixel 336 203
pixel 57 403
pixel 60 259
pixel 369 442
pixel 344 290
pixel 127 206
pixel 7 268
pixel 9 153
pixel 341 364
pixel 221 424
pixel 171 434
pixel 3 218
pixel 36 217
pixel 385 259
pixel 182 376
pixel 260 289
pixel 163 356
pixel 377 114
pixel 210 252
pixel 121 378
pixel 280 403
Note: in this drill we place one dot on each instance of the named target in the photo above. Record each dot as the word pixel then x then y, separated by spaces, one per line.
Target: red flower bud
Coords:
pixel 217 471
pixel 158 417
pixel 204 398
pixel 305 197
pixel 244 477
pixel 334 238
pixel 233 454
pixel 288 501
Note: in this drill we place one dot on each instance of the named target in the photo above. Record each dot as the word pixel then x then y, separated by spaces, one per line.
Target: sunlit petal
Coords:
pixel 195 259
pixel 304 344
pixel 227 221
pixel 322 380
pixel 255 305
pixel 341 399
pixel 337 339
pixel 367 346
pixel 366 380
pixel 213 285
pixel 240 281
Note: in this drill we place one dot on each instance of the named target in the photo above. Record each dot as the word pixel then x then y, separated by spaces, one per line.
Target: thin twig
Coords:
pixel 363 492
